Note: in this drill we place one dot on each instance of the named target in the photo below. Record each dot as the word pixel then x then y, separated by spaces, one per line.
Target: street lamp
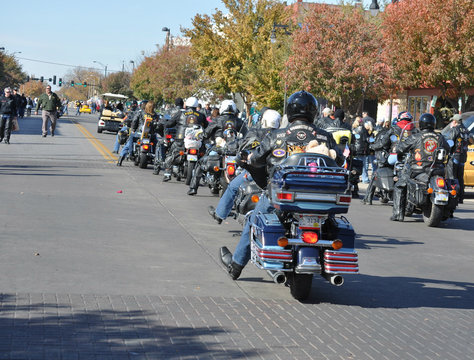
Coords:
pixel 15 52
pixel 273 40
pixel 133 64
pixel 374 8
pixel 168 31
pixel 104 66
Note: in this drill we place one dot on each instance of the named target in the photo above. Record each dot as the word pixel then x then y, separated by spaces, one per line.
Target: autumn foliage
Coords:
pixel 336 55
pixel 166 75
pixel 431 44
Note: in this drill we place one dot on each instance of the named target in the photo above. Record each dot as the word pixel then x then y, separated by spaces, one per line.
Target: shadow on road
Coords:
pixel 366 241
pixel 58 330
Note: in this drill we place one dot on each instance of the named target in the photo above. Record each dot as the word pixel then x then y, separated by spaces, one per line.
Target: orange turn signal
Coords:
pixel 283 242
pixel 255 198
pixel 453 192
pixel 216 168
pixel 337 244
pixel 430 191
pixel 181 153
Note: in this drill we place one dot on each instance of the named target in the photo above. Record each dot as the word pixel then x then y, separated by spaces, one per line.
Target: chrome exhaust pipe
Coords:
pixel 334 279
pixel 278 277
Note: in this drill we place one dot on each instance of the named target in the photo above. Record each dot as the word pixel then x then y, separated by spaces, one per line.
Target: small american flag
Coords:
pixel 346 152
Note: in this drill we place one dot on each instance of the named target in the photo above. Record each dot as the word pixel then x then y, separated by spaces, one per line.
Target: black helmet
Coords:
pixel 303 105
pixel 427 121
pixel 134 103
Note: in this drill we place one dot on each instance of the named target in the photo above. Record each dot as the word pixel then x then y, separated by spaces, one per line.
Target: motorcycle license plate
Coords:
pixel 441 197
pixel 190 157
pixel 309 222
pixel 230 160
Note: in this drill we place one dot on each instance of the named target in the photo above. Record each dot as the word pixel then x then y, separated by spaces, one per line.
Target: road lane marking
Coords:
pixel 101 148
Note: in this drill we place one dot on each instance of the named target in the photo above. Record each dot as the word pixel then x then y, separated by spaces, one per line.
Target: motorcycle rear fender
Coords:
pixel 308 261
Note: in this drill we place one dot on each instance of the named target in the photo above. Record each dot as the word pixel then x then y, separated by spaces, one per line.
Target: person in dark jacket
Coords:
pixel 461 137
pixel 134 119
pixel 361 146
pixel 274 149
pixel 8 111
pixel 421 146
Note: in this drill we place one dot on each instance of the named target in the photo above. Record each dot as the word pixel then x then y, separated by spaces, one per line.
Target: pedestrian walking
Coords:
pixel 49 103
pixel 8 111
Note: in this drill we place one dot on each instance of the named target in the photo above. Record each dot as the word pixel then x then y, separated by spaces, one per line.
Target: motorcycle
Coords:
pixel 431 193
pixel 145 145
pixel 303 236
pixel 248 195
pixel 165 144
pixel 192 144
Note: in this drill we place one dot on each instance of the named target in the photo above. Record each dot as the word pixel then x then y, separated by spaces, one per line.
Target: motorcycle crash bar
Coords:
pixel 334 279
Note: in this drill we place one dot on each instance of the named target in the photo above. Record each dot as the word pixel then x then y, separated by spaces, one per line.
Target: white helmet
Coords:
pixel 191 102
pixel 271 119
pixel 228 107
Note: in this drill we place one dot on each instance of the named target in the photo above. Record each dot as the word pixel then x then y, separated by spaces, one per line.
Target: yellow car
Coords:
pixel 85 109
pixel 468 122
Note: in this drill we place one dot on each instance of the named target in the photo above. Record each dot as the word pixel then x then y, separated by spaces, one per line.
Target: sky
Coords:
pixel 53 37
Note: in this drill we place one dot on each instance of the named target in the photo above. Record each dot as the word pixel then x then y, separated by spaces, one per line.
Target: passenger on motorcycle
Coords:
pixel 301 110
pixel 421 147
pixel 134 119
pixel 227 120
pixel 187 118
pixel 270 120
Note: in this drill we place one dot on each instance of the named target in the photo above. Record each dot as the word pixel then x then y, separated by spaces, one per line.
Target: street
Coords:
pixel 106 262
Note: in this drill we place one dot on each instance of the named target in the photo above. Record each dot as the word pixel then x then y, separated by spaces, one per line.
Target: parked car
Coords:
pixel 85 109
pixel 468 121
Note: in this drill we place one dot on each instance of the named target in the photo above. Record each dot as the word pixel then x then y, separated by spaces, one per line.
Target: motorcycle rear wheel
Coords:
pixel 189 172
pixel 142 161
pixel 300 285
pixel 432 214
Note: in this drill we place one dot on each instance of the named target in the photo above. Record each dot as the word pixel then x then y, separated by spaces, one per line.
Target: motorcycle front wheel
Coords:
pixel 432 214
pixel 300 285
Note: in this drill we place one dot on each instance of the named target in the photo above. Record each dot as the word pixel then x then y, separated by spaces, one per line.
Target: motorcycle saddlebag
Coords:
pixel 416 192
pixel 385 178
pixel 212 161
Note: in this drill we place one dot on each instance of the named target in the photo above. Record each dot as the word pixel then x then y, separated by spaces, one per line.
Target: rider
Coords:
pixel 188 118
pixel 461 137
pixel 269 122
pixel 227 120
pixel 301 110
pixel 421 147
pixel 134 119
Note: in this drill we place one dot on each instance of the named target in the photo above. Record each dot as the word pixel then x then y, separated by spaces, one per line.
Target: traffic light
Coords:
pixel 54 79
pixel 28 78
pixel 42 78
pixel 60 82
pixel 72 82
pixel 84 83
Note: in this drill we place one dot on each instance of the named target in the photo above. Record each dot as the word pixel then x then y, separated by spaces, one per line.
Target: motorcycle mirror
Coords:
pixel 393 138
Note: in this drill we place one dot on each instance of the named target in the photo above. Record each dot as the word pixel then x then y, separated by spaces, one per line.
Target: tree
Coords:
pixel 337 55
pixel 166 75
pixel 234 49
pixel 34 88
pixel 118 83
pixel 431 44
pixel 10 71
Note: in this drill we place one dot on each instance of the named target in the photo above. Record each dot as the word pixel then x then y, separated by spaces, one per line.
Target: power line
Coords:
pixel 73 66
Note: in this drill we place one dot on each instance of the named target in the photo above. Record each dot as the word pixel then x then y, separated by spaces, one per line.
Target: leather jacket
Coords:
pixel 281 143
pixel 135 118
pixel 185 118
pixel 460 135
pixel 7 105
pixel 422 148
pixel 217 127
pixel 360 142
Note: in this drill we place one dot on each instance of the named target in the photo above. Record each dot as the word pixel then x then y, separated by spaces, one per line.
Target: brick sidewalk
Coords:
pixel 68 326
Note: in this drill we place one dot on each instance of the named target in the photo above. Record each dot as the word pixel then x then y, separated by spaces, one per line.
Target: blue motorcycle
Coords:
pixel 304 235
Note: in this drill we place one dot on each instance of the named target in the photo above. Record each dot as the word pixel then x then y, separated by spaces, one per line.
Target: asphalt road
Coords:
pixel 106 262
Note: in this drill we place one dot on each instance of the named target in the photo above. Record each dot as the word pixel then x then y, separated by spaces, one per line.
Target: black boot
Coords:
pixel 192 191
pixel 233 268
pixel 120 160
pixel 212 211
pixel 166 176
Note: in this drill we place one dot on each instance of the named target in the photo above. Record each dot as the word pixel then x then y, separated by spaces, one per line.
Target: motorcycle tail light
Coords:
pixel 231 170
pixel 146 147
pixel 169 136
pixel 181 153
pixel 430 191
pixel 193 151
pixel 216 168
pixel 283 241
pixel 440 182
pixel 255 198
pixel 343 199
pixel 336 244
pixel 288 197
pixel 310 237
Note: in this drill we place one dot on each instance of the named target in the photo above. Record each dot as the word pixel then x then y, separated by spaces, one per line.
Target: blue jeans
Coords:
pixel 365 167
pixel 226 202
pixel 128 147
pixel 242 251
pixel 116 143
pixel 372 163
